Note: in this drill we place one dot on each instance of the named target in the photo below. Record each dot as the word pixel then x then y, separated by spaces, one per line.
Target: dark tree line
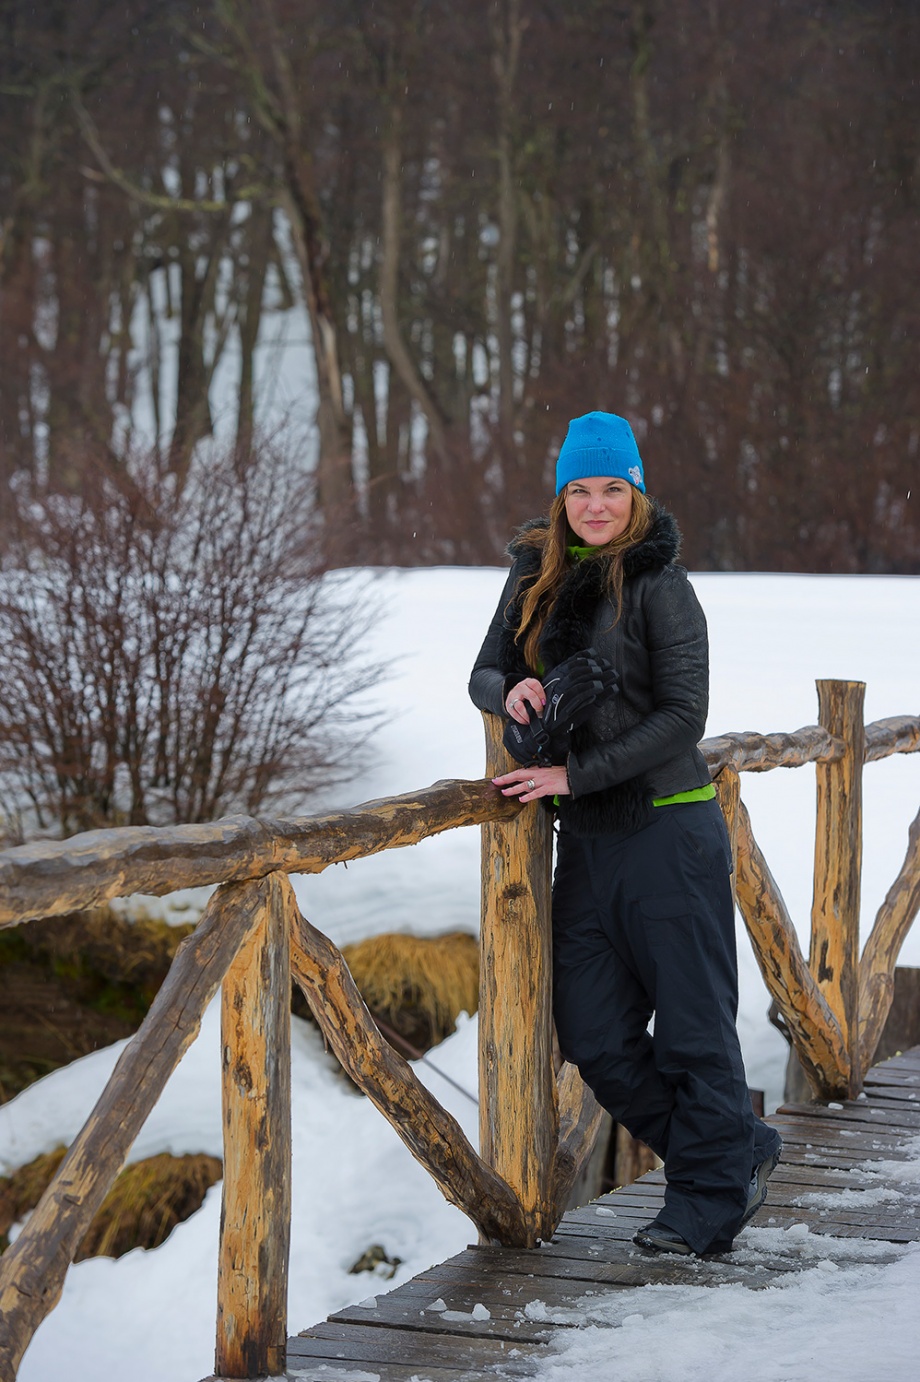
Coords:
pixel 496 215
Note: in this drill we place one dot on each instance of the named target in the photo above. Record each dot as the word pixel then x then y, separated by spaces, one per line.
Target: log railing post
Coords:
pixel 255 1221
pixel 518 1111
pixel 880 954
pixel 728 794
pixel 834 954
pixel 32 1269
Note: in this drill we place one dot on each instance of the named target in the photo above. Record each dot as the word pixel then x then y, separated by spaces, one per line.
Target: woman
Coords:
pixel 643 920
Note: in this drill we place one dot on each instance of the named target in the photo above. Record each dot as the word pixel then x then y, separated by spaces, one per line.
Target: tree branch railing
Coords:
pixel 536 1128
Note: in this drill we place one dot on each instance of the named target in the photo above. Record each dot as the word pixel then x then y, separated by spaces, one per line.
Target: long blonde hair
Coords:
pixel 553 543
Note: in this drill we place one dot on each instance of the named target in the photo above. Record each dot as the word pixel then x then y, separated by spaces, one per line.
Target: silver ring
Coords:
pixel 514 703
pixel 530 783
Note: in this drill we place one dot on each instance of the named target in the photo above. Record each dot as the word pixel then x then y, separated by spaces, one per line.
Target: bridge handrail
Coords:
pixel 52 877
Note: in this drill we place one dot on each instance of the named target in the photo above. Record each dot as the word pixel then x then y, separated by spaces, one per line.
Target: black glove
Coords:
pixel 530 743
pixel 572 689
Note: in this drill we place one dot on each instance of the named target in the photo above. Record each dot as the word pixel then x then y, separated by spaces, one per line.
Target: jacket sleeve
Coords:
pixel 488 685
pixel 678 651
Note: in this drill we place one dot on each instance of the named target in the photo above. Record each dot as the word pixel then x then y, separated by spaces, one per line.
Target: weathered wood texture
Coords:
pixel 432 1135
pixel 902 1025
pixel 32 1270
pixel 632 1158
pixel 592 1258
pixel 728 794
pixel 51 877
pixel 518 1114
pixel 255 1217
pixel 834 955
pixel 880 955
pixel 812 1025
pixel 897 734
pixel 580 1119
pixel 751 752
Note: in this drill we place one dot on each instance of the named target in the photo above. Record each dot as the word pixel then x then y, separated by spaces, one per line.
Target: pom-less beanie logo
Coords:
pixel 635 474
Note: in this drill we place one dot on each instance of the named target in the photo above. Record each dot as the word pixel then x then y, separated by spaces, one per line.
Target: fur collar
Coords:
pixel 658 548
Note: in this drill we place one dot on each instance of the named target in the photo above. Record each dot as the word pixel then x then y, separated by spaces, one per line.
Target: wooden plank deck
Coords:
pixel 827 1150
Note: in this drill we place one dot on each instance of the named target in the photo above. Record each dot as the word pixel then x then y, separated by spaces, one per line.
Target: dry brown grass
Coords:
pixel 418 984
pixel 71 984
pixel 142 1208
pixel 101 942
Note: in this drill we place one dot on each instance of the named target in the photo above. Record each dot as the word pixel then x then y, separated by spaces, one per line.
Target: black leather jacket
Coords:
pixel 642 743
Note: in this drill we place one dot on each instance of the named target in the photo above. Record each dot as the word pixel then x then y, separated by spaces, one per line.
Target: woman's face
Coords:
pixel 598 508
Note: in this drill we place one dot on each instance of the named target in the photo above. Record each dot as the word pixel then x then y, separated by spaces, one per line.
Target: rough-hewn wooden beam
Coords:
pixel 432 1135
pixel 834 955
pixel 880 955
pixel 728 793
pixel 751 752
pixel 255 1217
pixel 580 1118
pixel 812 1025
pixel 32 1270
pixel 898 734
pixel 51 877
pixel 518 1116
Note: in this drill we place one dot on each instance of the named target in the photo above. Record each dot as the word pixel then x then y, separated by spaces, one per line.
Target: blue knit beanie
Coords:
pixel 599 444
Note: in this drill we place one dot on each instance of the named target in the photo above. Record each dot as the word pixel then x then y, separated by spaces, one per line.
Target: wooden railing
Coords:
pixel 536 1129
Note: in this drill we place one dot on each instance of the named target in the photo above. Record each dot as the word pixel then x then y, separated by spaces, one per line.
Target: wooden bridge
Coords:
pixel 537 1125
pixel 398 1336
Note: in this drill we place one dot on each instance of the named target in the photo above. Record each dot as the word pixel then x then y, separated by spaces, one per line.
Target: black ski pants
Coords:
pixel 643 924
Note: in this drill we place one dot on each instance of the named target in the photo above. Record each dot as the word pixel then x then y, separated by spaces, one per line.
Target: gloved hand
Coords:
pixel 571 690
pixel 529 744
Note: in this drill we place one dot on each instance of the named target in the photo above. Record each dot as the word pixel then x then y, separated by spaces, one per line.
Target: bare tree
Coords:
pixel 171 657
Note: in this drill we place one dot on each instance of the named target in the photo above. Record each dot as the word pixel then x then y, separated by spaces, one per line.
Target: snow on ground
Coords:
pixel 856 1323
pixel 354 1183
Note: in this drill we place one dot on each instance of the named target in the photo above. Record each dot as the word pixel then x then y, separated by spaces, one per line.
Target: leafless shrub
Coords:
pixel 169 656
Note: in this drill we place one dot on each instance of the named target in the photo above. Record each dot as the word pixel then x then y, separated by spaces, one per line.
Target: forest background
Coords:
pixel 493 216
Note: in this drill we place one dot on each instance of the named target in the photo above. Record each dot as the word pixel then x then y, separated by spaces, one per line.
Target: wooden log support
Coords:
pixel 897 734
pixel 813 1028
pixel 880 956
pixel 518 1113
pixel 54 876
pixel 32 1270
pixel 631 1158
pixel 728 794
pixel 50 877
pixel 580 1119
pixel 255 1218
pixel 432 1135
pixel 751 752
pixel 834 955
